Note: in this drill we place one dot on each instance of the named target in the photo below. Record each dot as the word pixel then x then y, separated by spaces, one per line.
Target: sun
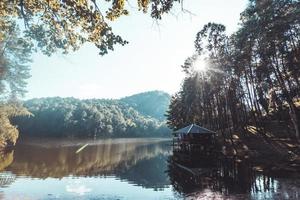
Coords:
pixel 200 65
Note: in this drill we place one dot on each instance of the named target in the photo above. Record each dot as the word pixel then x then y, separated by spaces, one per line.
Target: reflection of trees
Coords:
pixel 6 179
pixel 149 173
pixel 104 159
pixel 5 160
pixel 227 177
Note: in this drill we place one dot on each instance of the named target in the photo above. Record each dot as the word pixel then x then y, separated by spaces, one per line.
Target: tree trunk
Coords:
pixel 295 120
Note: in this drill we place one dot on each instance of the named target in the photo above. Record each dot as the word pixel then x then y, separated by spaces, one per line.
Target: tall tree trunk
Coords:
pixel 292 113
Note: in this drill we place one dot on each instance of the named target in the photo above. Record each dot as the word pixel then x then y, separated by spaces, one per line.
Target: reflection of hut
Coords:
pixel 227 178
pixel 195 141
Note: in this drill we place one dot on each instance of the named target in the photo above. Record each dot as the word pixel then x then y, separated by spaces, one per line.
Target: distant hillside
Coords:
pixel 140 115
pixel 153 103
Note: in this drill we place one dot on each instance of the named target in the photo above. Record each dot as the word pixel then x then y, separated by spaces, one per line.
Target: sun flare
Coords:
pixel 200 65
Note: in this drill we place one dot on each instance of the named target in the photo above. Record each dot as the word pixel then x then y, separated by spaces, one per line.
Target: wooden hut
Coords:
pixel 194 142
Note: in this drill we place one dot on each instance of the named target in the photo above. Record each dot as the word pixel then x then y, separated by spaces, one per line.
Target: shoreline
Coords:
pixel 268 154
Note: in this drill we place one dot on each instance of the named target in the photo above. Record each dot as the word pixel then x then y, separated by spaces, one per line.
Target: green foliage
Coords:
pixel 252 76
pixel 15 53
pixel 8 133
pixel 70 117
pixel 153 103
pixel 53 25
pixel 14 70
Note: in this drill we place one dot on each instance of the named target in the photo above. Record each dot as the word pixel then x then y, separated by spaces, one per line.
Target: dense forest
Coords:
pixel 250 78
pixel 96 118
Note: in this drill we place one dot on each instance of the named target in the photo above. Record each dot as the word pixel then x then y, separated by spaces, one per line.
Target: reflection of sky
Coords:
pixel 265 191
pixel 111 188
pixel 81 188
pixel 77 187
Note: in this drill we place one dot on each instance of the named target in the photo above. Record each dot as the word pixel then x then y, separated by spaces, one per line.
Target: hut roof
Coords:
pixel 194 129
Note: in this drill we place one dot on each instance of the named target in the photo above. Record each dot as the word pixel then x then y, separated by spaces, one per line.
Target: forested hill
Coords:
pixel 153 103
pixel 70 117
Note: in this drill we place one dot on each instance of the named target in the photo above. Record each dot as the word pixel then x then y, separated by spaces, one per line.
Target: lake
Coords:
pixel 113 169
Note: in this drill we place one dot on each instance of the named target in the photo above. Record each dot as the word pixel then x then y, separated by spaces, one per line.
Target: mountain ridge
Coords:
pixel 132 116
pixel 130 100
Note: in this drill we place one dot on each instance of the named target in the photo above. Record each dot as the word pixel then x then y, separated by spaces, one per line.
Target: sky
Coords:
pixel 151 60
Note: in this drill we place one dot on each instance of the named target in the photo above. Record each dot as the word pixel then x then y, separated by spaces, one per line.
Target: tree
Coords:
pixel 53 25
pixel 269 40
pixel 14 70
pixel 253 75
pixel 9 133
pixel 15 53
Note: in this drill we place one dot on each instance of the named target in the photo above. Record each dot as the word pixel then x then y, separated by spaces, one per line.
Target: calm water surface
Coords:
pixel 120 169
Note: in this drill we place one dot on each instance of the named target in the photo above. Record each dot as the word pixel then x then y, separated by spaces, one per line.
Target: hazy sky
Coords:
pixel 151 60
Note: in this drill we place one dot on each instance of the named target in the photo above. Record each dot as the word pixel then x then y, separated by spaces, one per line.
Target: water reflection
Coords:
pixel 224 178
pixel 121 168
pixel 129 169
pixel 219 179
pixel 128 160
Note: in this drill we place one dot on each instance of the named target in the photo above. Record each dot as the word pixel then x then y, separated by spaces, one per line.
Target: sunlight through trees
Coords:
pixel 254 76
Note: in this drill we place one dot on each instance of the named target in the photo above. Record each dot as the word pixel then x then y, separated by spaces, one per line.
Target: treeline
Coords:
pixel 251 77
pixel 70 117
